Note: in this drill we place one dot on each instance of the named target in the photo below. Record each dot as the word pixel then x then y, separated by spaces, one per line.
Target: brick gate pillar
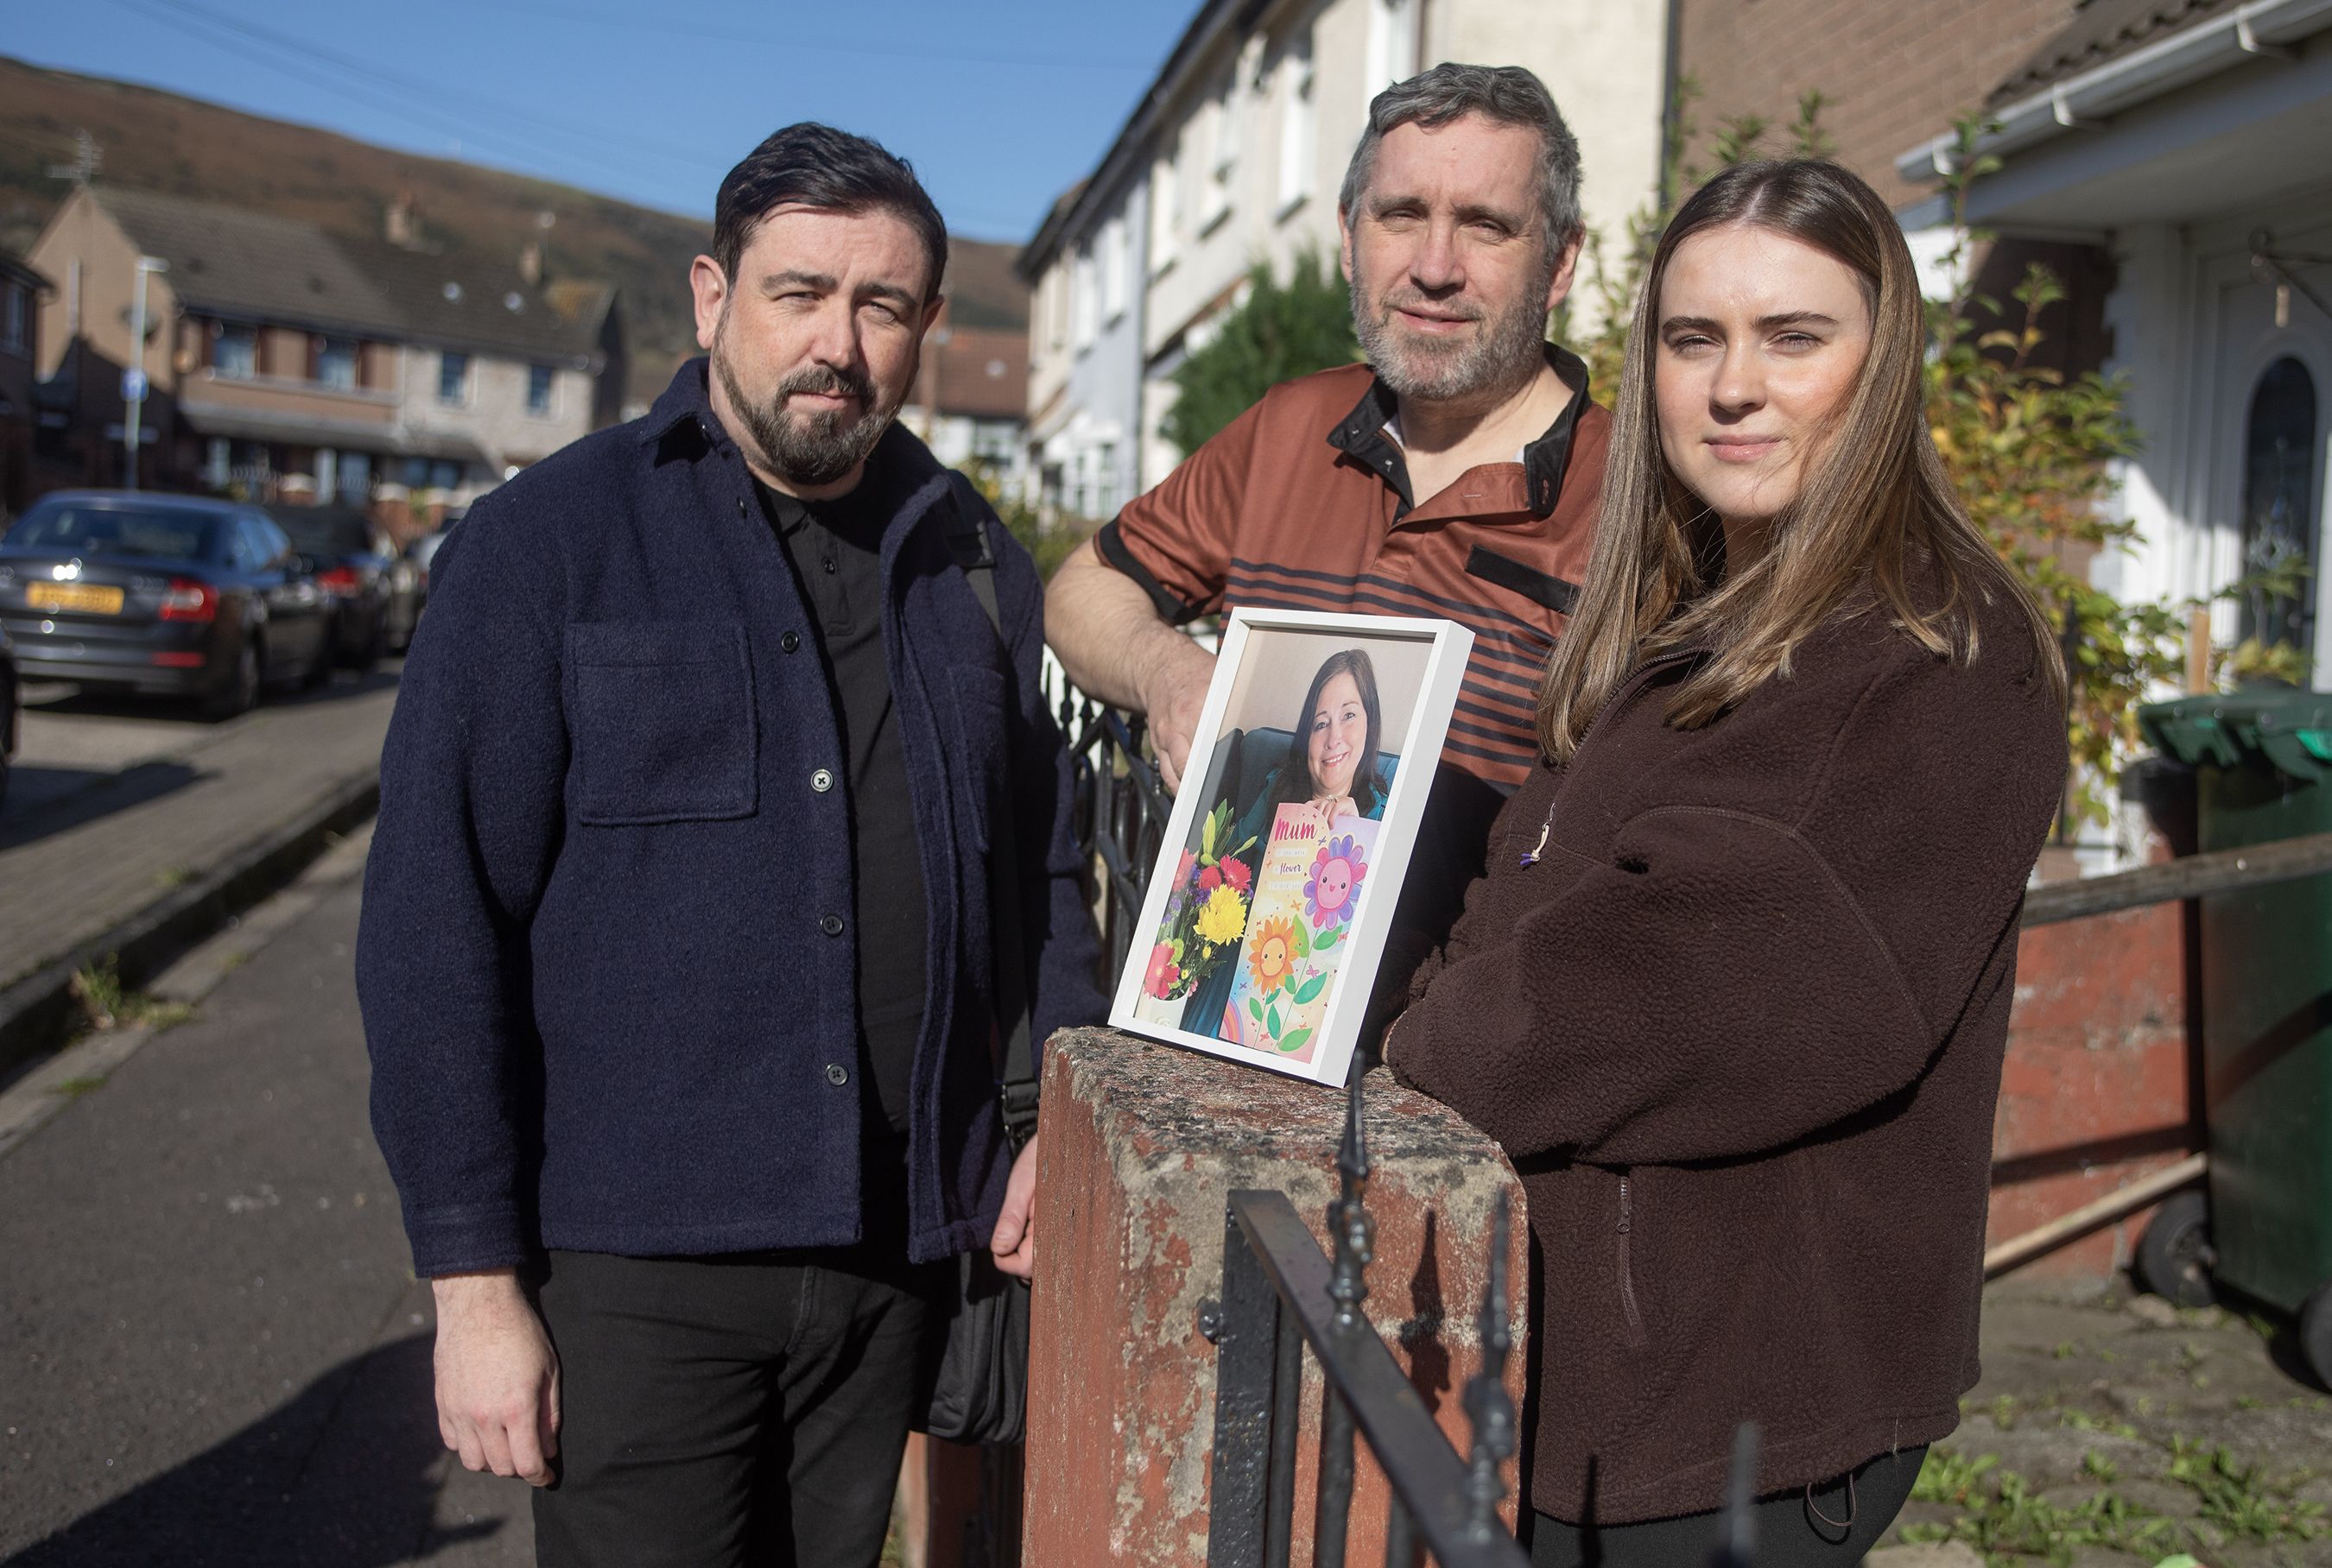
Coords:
pixel 1140 1144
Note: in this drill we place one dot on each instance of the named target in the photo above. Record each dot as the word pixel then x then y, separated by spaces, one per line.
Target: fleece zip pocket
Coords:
pixel 1635 1319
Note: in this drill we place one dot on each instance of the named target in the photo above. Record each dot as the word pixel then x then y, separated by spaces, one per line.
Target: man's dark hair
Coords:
pixel 816 166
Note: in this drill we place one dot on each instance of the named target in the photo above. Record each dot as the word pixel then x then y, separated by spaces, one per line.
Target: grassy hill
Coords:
pixel 161 141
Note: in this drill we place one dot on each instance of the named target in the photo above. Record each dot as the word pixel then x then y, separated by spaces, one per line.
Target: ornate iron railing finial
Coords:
pixel 1489 1409
pixel 1352 1228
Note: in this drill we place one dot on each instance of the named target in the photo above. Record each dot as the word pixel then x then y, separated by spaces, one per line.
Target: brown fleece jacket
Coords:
pixel 1740 1024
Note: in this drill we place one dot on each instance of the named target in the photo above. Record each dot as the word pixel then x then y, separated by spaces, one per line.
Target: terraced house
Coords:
pixel 286 364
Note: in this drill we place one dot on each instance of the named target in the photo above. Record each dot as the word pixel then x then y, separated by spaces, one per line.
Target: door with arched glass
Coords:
pixel 2282 492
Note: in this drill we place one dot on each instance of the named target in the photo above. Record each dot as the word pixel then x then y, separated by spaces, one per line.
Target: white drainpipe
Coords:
pixel 2261 28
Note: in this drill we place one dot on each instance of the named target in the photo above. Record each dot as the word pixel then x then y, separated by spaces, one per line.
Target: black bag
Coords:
pixel 980 1389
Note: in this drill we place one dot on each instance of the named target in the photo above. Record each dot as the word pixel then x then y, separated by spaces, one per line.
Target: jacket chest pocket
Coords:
pixel 661 713
pixel 979 714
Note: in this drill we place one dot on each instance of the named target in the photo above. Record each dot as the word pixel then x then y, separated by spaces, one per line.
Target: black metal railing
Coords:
pixel 1119 811
pixel 1280 1295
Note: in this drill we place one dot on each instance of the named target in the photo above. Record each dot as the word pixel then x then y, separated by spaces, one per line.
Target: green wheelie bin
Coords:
pixel 2263 772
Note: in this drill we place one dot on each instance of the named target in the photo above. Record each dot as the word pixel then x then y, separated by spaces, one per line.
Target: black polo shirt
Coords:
pixel 836 548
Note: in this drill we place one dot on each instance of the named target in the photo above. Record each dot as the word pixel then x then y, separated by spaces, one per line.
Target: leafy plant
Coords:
pixel 1051 543
pixel 1279 331
pixel 2240 1499
pixel 2002 1517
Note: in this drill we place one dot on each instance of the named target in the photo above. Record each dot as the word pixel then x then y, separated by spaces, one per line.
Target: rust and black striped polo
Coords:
pixel 1303 503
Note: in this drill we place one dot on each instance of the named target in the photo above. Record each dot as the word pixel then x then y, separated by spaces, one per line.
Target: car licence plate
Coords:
pixel 72 597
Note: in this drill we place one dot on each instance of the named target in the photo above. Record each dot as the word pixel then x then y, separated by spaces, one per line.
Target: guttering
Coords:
pixel 2260 29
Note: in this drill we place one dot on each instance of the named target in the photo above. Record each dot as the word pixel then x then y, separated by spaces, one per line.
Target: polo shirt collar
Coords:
pixel 1360 434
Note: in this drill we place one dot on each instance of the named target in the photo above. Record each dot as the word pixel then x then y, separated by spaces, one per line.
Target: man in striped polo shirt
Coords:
pixel 1455 474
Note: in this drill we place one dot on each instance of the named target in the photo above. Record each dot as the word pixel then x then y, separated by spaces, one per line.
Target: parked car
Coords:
pixel 8 710
pixel 410 583
pixel 353 563
pixel 174 594
pixel 421 554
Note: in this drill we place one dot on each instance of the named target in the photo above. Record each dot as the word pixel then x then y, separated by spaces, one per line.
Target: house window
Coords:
pixel 452 378
pixel 235 354
pixel 1083 306
pixel 336 362
pixel 2280 491
pixel 445 475
pixel 12 332
pixel 1298 144
pixel 355 476
pixel 1222 168
pixel 1112 269
pixel 1165 209
pixel 1056 302
pixel 537 389
pixel 1392 42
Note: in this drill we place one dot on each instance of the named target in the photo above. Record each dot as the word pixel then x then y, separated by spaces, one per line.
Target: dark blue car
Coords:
pixel 173 595
pixel 7 710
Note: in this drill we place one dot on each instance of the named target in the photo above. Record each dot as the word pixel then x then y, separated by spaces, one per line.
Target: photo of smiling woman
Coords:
pixel 1733 994
pixel 1329 770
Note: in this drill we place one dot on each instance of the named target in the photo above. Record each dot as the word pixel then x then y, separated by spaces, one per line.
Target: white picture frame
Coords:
pixel 1254 793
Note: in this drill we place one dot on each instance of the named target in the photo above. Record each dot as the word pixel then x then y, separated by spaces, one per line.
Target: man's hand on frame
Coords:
pixel 1014 1243
pixel 497 1377
pixel 1172 697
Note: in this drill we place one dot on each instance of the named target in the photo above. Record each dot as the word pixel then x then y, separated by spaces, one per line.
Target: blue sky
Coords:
pixel 999 104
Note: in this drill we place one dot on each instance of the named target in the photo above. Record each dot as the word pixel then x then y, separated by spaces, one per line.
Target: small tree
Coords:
pixel 1280 331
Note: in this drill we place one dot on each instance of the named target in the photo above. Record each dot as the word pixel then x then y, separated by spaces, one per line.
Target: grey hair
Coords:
pixel 1503 94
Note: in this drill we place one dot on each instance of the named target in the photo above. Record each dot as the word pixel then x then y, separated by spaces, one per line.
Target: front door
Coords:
pixel 2273 429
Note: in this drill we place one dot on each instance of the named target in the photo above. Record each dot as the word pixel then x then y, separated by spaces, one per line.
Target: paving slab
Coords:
pixel 74 867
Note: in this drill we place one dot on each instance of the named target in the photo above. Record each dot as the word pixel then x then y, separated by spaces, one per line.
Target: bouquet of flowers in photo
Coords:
pixel 1205 911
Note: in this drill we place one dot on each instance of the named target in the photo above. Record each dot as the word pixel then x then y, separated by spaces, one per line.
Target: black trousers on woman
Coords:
pixel 1831 1526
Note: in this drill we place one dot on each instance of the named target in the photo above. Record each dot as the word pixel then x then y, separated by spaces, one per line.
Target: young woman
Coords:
pixel 1331 768
pixel 1735 992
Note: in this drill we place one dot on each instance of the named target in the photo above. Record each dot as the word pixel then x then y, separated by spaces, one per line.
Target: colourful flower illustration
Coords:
pixel 1334 887
pixel 1272 956
pixel 1222 919
pixel 1164 975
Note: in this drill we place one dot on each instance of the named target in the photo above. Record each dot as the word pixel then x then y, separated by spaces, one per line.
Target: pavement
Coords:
pixel 212 1349
pixel 122 812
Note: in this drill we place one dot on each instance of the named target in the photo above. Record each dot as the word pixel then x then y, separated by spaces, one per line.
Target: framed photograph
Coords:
pixel 1274 889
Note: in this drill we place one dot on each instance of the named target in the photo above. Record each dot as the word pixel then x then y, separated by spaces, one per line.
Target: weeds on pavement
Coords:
pixel 2005 1519
pixel 110 1004
pixel 2241 1500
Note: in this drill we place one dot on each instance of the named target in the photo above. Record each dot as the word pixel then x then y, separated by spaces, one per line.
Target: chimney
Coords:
pixel 529 263
pixel 400 224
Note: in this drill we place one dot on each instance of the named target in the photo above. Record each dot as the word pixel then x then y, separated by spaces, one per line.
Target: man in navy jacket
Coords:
pixel 715 811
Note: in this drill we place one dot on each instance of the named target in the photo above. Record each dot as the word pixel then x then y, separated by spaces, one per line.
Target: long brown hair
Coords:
pixel 1875 505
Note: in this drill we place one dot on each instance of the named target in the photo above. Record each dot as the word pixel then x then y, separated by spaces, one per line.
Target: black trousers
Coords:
pixel 1833 1524
pixel 732 1411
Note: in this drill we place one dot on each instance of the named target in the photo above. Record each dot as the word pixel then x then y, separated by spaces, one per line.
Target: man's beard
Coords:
pixel 1503 354
pixel 815 448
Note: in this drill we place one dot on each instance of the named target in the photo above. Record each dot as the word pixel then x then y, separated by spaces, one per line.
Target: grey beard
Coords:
pixel 814 449
pixel 1506 353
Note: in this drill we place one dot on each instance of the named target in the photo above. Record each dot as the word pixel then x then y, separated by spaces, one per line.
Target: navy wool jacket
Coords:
pixel 607 960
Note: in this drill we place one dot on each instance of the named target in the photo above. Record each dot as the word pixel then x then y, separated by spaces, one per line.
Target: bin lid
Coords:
pixel 2286 729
